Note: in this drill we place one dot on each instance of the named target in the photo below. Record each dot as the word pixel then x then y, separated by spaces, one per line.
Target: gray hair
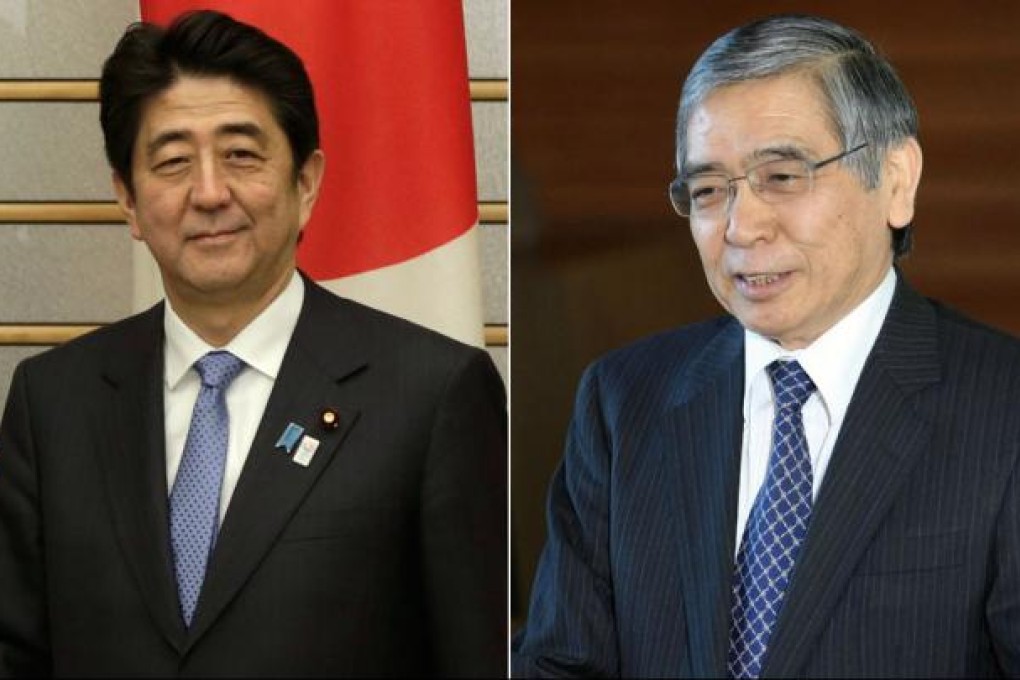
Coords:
pixel 866 100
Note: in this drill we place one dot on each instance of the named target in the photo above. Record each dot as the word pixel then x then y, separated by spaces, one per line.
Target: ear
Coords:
pixel 126 201
pixel 308 182
pixel 902 175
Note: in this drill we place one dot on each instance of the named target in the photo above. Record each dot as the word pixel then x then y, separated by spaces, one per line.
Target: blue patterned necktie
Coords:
pixel 195 499
pixel 776 528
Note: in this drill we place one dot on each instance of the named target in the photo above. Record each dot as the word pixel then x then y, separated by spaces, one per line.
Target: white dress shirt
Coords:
pixel 261 345
pixel 834 362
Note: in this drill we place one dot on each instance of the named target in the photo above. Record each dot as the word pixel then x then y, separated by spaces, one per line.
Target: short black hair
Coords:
pixel 149 59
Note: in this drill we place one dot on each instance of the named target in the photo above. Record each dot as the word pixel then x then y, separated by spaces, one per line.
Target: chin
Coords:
pixel 763 327
pixel 213 283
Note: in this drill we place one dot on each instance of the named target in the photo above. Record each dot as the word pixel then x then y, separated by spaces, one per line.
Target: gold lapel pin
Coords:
pixel 330 419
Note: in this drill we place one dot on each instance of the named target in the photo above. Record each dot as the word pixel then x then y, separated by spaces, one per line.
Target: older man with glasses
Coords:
pixel 824 482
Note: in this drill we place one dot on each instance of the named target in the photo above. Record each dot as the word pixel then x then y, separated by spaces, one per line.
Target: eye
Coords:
pixel 783 176
pixel 242 156
pixel 171 165
pixel 705 192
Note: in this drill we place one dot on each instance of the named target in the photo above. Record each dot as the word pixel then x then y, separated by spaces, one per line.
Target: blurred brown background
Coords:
pixel 598 257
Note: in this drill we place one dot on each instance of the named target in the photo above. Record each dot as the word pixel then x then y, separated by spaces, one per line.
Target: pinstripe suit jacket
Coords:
pixel 911 566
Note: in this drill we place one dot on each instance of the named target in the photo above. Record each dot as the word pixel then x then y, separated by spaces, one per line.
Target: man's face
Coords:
pixel 214 194
pixel 791 270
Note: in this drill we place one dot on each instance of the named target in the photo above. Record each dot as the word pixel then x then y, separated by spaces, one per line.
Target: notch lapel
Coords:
pixel 132 458
pixel 707 429
pixel 882 437
pixel 272 486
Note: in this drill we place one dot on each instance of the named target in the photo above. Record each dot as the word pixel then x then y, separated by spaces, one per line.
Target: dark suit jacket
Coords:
pixel 911 566
pixel 385 556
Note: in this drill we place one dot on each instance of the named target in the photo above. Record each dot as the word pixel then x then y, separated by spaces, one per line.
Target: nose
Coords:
pixel 210 190
pixel 748 218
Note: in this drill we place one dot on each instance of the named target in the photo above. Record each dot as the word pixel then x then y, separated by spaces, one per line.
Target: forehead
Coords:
pixel 736 121
pixel 200 104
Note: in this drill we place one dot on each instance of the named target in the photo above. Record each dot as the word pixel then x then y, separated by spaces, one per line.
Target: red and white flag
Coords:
pixel 395 225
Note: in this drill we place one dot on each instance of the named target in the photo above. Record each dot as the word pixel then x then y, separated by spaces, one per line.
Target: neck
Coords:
pixel 217 319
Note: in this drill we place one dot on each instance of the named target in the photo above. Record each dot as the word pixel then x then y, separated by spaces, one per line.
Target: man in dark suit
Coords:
pixel 825 482
pixel 254 477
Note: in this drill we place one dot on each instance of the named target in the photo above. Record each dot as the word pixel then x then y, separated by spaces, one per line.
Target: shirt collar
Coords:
pixel 835 360
pixel 261 344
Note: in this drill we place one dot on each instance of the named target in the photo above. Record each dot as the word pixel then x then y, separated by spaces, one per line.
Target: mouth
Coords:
pixel 762 285
pixel 214 237
pixel 762 279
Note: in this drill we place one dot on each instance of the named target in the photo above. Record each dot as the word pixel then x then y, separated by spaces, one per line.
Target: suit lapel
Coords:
pixel 320 357
pixel 132 458
pixel 706 459
pixel 881 439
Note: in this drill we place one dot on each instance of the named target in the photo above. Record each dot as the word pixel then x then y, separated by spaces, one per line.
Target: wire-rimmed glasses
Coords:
pixel 708 195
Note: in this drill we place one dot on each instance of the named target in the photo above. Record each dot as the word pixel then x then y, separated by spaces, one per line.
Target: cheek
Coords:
pixel 824 239
pixel 849 238
pixel 265 199
pixel 162 208
pixel 709 242
pixel 841 259
pixel 262 183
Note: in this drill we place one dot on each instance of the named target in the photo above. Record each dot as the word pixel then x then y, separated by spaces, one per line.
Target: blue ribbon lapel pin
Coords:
pixel 290 437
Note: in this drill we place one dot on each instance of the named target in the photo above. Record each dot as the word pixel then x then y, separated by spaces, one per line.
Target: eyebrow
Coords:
pixel 245 129
pixel 779 151
pixel 227 129
pixel 782 151
pixel 702 169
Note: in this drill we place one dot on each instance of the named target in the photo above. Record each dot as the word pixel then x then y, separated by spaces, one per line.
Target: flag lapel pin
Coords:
pixel 306 450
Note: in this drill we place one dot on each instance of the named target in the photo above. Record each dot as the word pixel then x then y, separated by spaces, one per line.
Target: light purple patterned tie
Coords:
pixel 195 498
pixel 776 528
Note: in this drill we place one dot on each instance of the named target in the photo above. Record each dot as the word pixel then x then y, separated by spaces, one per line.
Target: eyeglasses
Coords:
pixel 710 195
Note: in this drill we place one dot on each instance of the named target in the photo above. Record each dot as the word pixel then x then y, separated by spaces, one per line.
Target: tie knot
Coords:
pixel 218 369
pixel 791 384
